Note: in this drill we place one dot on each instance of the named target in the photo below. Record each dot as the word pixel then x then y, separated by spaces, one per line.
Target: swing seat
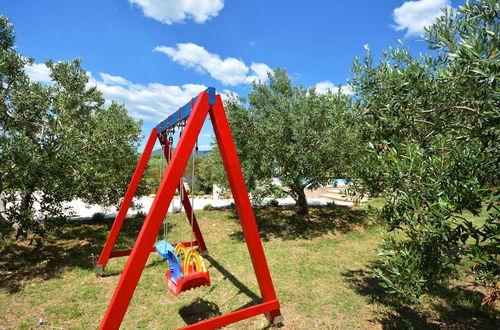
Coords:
pixel 163 247
pixel 167 251
pixel 194 279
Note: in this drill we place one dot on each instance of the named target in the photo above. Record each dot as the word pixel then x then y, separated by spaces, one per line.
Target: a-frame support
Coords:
pixel 206 102
pixel 107 251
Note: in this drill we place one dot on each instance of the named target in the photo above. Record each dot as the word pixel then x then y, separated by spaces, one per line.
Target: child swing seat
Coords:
pixel 190 275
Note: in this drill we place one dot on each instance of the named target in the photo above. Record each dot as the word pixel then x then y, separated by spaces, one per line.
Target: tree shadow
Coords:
pixel 283 222
pixel 459 307
pixel 78 244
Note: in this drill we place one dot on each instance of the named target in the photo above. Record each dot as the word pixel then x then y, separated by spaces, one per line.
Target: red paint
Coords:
pixel 139 254
pixel 190 281
pixel 236 316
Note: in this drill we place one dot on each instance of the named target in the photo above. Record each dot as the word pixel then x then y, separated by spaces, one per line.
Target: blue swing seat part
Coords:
pixel 166 250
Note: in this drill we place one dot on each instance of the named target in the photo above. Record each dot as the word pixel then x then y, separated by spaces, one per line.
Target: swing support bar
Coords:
pixel 107 251
pixel 205 103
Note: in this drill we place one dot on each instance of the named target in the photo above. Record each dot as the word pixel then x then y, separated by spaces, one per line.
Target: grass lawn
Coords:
pixel 320 267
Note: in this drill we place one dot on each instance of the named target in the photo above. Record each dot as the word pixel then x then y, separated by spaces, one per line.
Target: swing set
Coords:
pixel 186 263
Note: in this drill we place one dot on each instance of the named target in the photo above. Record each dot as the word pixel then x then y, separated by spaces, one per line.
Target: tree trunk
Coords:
pixel 300 199
pixel 4 225
pixel 24 217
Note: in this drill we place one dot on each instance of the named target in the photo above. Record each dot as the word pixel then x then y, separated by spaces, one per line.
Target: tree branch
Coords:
pixel 424 122
pixel 456 107
pixel 459 126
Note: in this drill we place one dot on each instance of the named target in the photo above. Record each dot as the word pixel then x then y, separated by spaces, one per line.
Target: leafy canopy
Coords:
pixel 58 142
pixel 292 134
pixel 431 127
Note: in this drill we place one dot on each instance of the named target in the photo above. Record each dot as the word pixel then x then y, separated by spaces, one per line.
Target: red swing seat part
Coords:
pixel 190 281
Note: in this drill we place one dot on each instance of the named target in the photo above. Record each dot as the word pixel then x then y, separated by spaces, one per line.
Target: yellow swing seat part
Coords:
pixel 191 256
pixel 198 263
pixel 180 248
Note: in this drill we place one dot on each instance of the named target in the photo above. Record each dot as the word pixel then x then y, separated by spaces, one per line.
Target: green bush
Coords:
pixel 208 207
pixel 140 214
pixel 98 216
pixel 430 124
pixel 273 203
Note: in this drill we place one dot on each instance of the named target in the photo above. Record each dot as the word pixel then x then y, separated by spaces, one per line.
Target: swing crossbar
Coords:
pixel 183 112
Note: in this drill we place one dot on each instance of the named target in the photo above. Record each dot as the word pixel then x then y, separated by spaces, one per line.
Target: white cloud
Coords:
pixel 259 71
pixel 205 147
pixel 38 72
pixel 324 86
pixel 176 11
pixel 413 16
pixel 153 101
pixel 229 71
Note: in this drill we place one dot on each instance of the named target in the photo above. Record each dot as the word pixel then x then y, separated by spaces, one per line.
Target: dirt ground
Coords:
pixel 316 193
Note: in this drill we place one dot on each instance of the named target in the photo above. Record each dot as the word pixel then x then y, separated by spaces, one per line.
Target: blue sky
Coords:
pixel 154 55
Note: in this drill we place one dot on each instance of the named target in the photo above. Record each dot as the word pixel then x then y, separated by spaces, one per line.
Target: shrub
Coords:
pixel 208 207
pixel 331 204
pixel 273 203
pixel 98 216
pixel 140 214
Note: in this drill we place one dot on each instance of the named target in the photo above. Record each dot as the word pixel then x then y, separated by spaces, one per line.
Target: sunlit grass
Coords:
pixel 320 266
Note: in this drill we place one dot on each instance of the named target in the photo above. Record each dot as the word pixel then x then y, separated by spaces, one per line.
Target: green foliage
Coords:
pixel 290 133
pixel 58 142
pixel 98 216
pixel 431 129
pixel 208 207
pixel 140 214
pixel 157 164
pixel 152 174
pixel 211 171
pixel 273 203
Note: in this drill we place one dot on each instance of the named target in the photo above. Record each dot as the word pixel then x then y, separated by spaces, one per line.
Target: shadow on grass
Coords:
pixel 455 308
pixel 229 276
pixel 199 310
pixel 77 245
pixel 285 223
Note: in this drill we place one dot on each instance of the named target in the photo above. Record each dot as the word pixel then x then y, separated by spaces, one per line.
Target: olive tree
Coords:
pixel 58 142
pixel 430 124
pixel 290 133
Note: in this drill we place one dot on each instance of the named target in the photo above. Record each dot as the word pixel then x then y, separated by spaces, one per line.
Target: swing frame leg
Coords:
pixel 107 251
pixel 244 209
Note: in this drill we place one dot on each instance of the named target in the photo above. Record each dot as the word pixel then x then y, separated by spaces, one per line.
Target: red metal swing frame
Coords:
pixel 195 112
